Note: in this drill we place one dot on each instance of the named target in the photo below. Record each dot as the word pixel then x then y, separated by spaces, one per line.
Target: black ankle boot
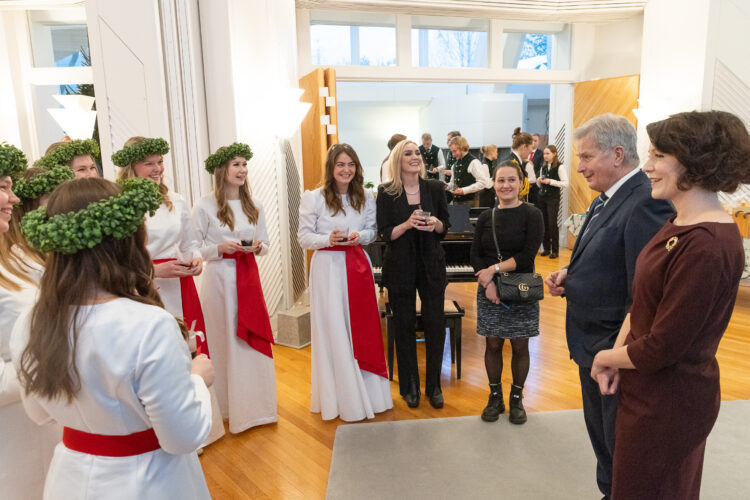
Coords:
pixel 517 413
pixel 412 397
pixel 495 406
pixel 436 398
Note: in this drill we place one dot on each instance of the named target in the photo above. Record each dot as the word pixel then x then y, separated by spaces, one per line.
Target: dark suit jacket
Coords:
pixel 538 161
pixel 400 258
pixel 600 274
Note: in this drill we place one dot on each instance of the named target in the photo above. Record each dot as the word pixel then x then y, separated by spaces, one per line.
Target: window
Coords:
pixel 337 38
pixel 538 50
pixel 448 42
pixel 59 38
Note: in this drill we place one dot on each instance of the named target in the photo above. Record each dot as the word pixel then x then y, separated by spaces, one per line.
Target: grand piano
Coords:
pixel 457 246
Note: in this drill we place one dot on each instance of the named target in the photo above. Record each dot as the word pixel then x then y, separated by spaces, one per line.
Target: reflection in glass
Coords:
pixel 443 48
pixel 353 45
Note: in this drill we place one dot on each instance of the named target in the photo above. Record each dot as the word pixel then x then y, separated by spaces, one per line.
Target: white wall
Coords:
pixel 608 50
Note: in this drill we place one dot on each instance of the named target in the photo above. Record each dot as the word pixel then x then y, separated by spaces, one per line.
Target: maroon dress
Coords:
pixel 685 286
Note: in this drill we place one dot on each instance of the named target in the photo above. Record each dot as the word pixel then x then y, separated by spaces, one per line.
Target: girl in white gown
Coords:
pixel 120 380
pixel 27 448
pixel 348 374
pixel 174 247
pixel 232 227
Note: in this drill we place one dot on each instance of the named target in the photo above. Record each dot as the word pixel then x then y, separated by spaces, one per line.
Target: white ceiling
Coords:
pixel 537 10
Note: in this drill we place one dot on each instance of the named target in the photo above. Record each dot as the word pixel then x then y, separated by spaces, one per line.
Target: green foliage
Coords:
pixel 116 217
pixel 12 160
pixel 139 152
pixel 64 154
pixel 42 183
pixel 226 153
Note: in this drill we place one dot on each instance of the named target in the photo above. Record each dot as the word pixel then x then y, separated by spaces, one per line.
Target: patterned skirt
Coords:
pixel 520 320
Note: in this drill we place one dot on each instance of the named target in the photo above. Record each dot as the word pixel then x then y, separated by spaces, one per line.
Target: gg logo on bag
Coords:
pixel 523 287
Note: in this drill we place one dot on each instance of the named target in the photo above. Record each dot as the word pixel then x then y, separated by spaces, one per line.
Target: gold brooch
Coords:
pixel 671 243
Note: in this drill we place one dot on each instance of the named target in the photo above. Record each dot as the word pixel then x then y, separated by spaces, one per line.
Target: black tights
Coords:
pixel 519 362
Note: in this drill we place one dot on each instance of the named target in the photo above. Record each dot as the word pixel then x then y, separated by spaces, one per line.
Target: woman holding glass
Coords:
pixel 686 279
pixel 412 217
pixel 550 183
pixel 349 378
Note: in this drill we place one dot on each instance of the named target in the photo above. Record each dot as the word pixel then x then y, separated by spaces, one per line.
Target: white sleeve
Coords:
pixel 261 231
pixel 563 182
pixel 190 243
pixel 482 175
pixel 178 405
pixel 201 222
pixel 19 338
pixel 10 310
pixel 10 390
pixel 307 233
pixel 385 172
pixel 530 172
pixel 441 159
pixel 369 232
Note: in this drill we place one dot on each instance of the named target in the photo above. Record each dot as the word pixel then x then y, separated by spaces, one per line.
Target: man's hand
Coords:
pixel 556 282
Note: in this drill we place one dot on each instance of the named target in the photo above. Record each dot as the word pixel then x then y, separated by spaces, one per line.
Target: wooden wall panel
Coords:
pixel 314 142
pixel 592 98
pixel 330 78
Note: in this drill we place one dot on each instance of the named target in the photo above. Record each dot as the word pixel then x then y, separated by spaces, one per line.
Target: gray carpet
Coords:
pixel 547 458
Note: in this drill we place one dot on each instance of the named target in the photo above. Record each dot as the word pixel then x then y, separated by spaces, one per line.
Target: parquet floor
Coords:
pixel 290 459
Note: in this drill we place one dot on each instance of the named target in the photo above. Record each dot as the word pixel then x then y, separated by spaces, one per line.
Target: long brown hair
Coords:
pixel 19 262
pixel 553 149
pixel 121 267
pixel 128 172
pixel 225 214
pixel 355 191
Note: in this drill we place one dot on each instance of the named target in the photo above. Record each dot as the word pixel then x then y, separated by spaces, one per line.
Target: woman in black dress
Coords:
pixel 519 229
pixel 414 261
pixel 550 183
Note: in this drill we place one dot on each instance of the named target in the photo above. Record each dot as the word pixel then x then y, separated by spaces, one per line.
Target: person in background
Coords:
pixel 551 181
pixel 79 155
pixel 469 175
pixel 536 159
pixel 231 224
pixel 598 281
pixel 414 262
pixel 663 363
pixel 487 196
pixel 449 159
pixel 518 227
pixel 27 448
pixel 519 151
pixel 434 163
pixel 385 173
pixel 99 355
pixel 349 377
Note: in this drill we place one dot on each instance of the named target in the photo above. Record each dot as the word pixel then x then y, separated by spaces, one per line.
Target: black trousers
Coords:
pixel 550 205
pixel 404 310
pixel 599 412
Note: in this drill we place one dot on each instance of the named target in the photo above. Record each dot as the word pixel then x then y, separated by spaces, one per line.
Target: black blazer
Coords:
pixel 400 258
pixel 538 161
pixel 600 274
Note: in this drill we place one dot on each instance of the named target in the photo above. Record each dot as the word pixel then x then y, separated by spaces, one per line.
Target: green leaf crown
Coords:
pixel 139 152
pixel 65 153
pixel 42 183
pixel 116 217
pixel 12 160
pixel 226 153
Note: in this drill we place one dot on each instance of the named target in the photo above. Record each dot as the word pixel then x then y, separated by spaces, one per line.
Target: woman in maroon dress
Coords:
pixel 684 290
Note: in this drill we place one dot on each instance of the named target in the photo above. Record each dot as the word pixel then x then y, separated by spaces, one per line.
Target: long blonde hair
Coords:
pixel 128 172
pixel 396 185
pixel 225 214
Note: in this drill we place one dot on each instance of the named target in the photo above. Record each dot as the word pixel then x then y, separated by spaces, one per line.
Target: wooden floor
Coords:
pixel 290 459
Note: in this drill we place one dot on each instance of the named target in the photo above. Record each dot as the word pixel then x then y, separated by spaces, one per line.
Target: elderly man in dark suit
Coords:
pixel 598 281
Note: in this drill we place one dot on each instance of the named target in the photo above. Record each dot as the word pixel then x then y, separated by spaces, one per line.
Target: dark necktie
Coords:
pixel 596 208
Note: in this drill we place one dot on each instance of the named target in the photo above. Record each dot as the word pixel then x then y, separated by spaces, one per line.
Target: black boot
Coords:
pixel 495 406
pixel 436 398
pixel 412 397
pixel 517 413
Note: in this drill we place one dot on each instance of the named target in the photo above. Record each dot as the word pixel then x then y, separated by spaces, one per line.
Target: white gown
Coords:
pixel 134 369
pixel 339 387
pixel 26 448
pixel 171 235
pixel 245 379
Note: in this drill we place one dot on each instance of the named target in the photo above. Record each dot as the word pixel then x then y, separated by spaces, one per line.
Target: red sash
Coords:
pixel 191 309
pixel 364 319
pixel 253 324
pixel 110 446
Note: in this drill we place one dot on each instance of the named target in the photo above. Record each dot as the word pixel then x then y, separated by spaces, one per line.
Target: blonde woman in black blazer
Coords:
pixel 414 261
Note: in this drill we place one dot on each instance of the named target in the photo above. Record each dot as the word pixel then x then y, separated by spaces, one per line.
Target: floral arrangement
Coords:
pixel 65 153
pixel 12 160
pixel 226 153
pixel 116 217
pixel 42 183
pixel 139 152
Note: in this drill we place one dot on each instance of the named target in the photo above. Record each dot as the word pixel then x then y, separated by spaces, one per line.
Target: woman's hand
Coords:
pixel 258 248
pixel 353 239
pixel 196 266
pixel 229 247
pixel 414 221
pixel 336 237
pixel 202 366
pixel 171 269
pixel 491 293
pixel 433 170
pixel 608 378
pixel 485 276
